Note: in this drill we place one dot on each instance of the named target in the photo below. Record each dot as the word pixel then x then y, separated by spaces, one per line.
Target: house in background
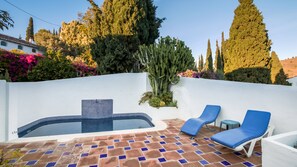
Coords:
pixel 9 43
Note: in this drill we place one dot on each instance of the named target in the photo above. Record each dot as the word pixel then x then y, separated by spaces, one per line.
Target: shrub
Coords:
pixel 155 102
pixel 51 69
pixel 145 97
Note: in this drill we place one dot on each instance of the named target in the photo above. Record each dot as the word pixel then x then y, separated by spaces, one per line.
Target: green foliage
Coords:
pixel 122 25
pixel 5 76
pixel 200 63
pixel 51 68
pixel 218 58
pixel 277 72
pixel 30 30
pixel 49 41
pixel 253 75
pixel 208 61
pixel 167 97
pixel 223 50
pixel 163 61
pixel 145 97
pixel 155 102
pixel 5 20
pixel 248 46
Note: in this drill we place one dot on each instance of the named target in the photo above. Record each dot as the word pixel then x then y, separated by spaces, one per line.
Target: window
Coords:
pixel 34 50
pixel 3 43
pixel 20 47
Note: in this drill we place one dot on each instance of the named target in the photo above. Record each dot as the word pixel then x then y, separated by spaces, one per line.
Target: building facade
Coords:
pixel 9 43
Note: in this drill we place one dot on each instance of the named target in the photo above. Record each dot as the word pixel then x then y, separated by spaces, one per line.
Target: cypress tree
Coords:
pixel 208 60
pixel 222 51
pixel 218 60
pixel 277 72
pixel 30 30
pixel 248 47
pixel 200 63
pixel 124 25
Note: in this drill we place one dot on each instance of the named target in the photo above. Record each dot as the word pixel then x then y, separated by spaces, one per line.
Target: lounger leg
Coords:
pixel 192 138
pixel 210 129
pixel 251 149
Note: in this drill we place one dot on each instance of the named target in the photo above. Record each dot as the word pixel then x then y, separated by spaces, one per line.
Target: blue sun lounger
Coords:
pixel 254 127
pixel 193 125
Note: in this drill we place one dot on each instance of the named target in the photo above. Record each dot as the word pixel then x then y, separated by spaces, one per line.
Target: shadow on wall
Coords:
pixel 253 75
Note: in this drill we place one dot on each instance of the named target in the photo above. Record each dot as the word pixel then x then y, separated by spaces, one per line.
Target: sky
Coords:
pixel 192 21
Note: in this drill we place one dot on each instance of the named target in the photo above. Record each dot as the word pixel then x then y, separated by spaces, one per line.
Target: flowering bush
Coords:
pixel 202 74
pixel 17 65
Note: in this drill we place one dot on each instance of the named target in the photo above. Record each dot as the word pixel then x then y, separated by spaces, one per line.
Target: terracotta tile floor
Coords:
pixel 166 148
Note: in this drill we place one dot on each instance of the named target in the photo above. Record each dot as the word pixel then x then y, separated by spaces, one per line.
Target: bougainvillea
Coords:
pixel 18 66
pixel 195 74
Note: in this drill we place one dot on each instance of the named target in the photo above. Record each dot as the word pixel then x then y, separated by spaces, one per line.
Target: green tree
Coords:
pixel 200 63
pixel 5 20
pixel 163 61
pixel 223 50
pixel 218 59
pixel 208 61
pixel 277 72
pixel 122 26
pixel 30 30
pixel 248 46
pixel 49 41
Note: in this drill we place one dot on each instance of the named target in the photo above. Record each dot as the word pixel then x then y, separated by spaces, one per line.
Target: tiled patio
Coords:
pixel 166 148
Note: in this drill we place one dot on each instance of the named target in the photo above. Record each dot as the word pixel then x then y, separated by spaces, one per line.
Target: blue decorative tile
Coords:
pixel 198 152
pixel 122 157
pixel 78 145
pixel 103 155
pixel 258 154
pixel 66 153
pixel 180 151
pixel 162 137
pixel 93 166
pixel 206 138
pixel 148 136
pixel 177 137
pixel 144 149
pixel 226 163
pixel 116 140
pixel 178 143
pixel 49 152
pixel 203 162
pixel 94 146
pixel 62 145
pixel 237 153
pixel 72 165
pixel 194 144
pixel 162 159
pixel 183 161
pixel 84 154
pixel 127 148
pixel 218 152
pixel 211 145
pixel 50 164
pixel 110 147
pixel 31 163
pixel 31 151
pixel 131 141
pixel 141 159
pixel 12 161
pixel 162 142
pixel 248 164
pixel 162 150
pixel 146 141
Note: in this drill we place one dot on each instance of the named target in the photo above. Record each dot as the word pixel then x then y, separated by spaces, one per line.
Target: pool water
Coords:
pixel 71 126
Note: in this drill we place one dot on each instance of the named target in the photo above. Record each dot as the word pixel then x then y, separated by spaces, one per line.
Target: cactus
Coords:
pixel 163 61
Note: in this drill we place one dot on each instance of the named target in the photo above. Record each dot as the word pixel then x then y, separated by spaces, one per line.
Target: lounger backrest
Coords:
pixel 210 113
pixel 256 121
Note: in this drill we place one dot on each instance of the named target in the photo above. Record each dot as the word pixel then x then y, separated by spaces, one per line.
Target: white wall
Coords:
pixel 31 101
pixel 293 81
pixel 3 111
pixel 26 49
pixel 236 98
